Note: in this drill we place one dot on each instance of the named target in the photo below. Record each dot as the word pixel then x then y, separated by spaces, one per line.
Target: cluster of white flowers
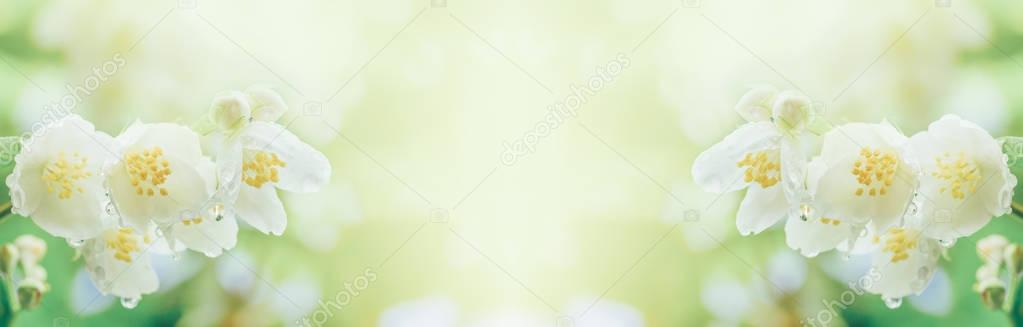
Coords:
pixel 161 187
pixel 860 188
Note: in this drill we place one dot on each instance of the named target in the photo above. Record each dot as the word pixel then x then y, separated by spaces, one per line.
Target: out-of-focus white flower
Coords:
pixel 118 262
pixel 590 312
pixel 965 179
pixel 158 178
pixel 257 156
pixel 990 249
pixel 436 311
pixel 860 180
pixel 763 155
pixel 31 249
pixel 58 178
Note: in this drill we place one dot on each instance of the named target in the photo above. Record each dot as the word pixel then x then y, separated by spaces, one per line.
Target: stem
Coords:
pixel 9 303
pixel 5 212
pixel 1015 302
pixel 1017 209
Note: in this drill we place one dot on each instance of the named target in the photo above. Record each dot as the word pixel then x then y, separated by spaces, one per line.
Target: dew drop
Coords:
pixel 947 243
pixel 130 302
pixel 111 210
pixel 893 302
pixel 912 209
pixel 75 243
pixel 806 211
pixel 217 211
pixel 100 273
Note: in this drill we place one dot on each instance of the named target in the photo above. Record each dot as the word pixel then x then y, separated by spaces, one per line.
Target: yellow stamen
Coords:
pixel 145 174
pixel 899 241
pixel 261 169
pixel 874 171
pixel 961 175
pixel 62 175
pixel 124 242
pixel 763 167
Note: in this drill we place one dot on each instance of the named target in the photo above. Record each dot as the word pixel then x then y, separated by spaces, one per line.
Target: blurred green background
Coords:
pixel 426 93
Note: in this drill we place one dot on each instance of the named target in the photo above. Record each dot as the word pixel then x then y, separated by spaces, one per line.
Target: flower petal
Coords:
pixel 716 169
pixel 755 105
pixel 230 110
pixel 267 104
pixel 793 172
pixel 261 208
pixel 173 138
pixel 127 277
pixel 306 169
pixel 816 235
pixel 904 277
pixel 207 235
pixel 792 111
pixel 761 209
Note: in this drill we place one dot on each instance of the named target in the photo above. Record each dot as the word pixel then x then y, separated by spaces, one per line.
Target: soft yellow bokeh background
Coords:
pixel 413 101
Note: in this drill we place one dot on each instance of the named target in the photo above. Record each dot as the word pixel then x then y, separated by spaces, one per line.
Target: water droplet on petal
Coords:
pixel 75 243
pixel 947 243
pixel 111 210
pixel 912 209
pixel 806 211
pixel 893 302
pixel 130 302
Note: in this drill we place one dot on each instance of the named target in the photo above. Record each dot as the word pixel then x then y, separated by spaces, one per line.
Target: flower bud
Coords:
pixel 1013 257
pixel 8 258
pixel 792 111
pixel 267 105
pixel 30 293
pixel 31 248
pixel 755 105
pixel 992 293
pixel 987 272
pixel 990 248
pixel 230 110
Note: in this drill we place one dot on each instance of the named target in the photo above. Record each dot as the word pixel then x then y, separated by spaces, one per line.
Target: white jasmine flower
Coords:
pixel 118 262
pixel 763 155
pixel 157 178
pixel 257 156
pixel 58 178
pixel 965 179
pixel 859 180
pixel 866 179
pixel 905 259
